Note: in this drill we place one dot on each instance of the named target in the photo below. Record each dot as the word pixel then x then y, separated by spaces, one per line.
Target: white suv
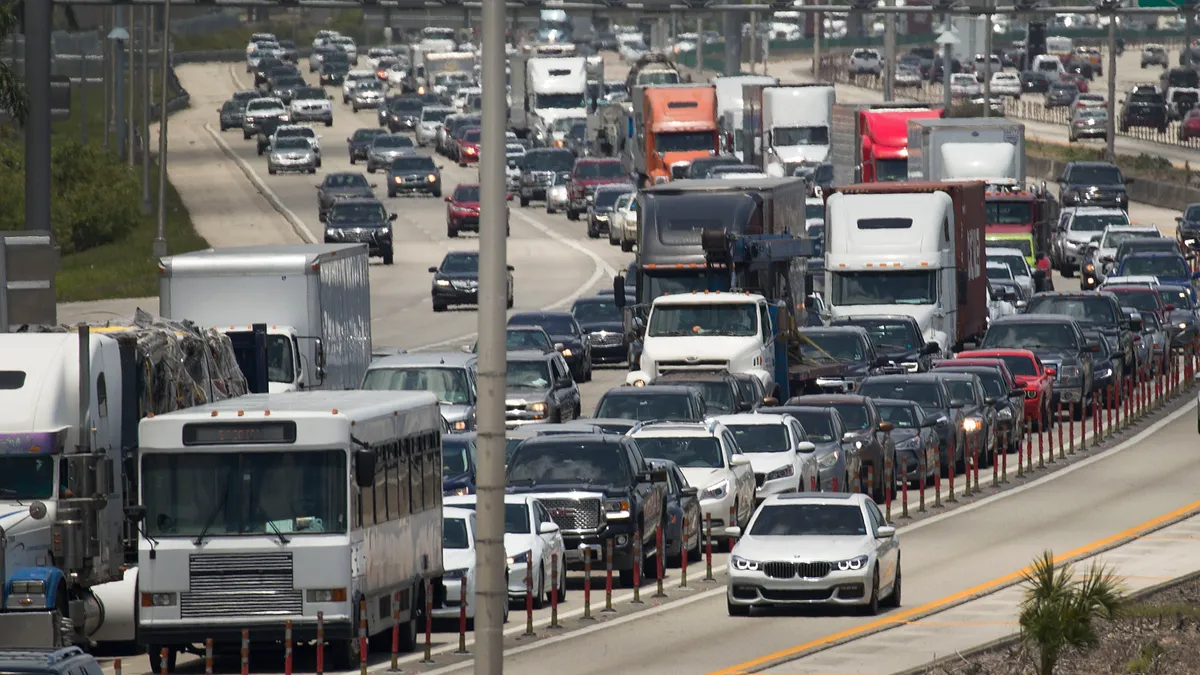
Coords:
pixel 1076 227
pixel 712 462
pixel 865 62
pixel 783 458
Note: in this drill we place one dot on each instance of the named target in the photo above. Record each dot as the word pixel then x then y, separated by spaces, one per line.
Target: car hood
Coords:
pixel 766 462
pixel 1106 187
pixel 525 395
pixel 515 544
pixel 564 339
pixel 355 192
pixel 474 206
pixel 593 182
pixel 392 152
pixel 459 275
pixel 901 435
pixel 702 478
pixel 597 326
pixel 458 559
pixel 922 313
pixel 802 549
pixel 1055 358
pixel 357 224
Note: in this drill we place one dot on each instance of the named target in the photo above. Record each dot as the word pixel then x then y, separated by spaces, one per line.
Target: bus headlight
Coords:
pixel 150 599
pixel 327 595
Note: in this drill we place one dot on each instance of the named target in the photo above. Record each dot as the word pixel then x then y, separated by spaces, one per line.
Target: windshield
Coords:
pixel 596 311
pixel 924 394
pixel 460 264
pixel 607 199
pixel 1174 296
pixel 1141 299
pixel 993 384
pixel 420 163
pixel 552 324
pixel 658 77
pixel 343 212
pixel 1095 175
pixel 1009 213
pixel 761 437
pixel 292 143
pixel 456 456
pixel 393 142
pixel 454 534
pixel 800 520
pixel 789 136
pixel 408 105
pixel 434 115
pixel 240 493
pixel 1158 266
pixel 599 170
pixel 280 359
pixel 450 385
pixel 814 211
pixel 549 161
pixel 1033 335
pixel 466 193
pixel 27 477
pixel 1115 239
pixel 818 425
pixel 718 395
pixel 891 170
pixel 346 180
pixel 688 453
pixel 589 462
pixel 884 288
pixel 820 345
pixel 472 135
pixel 528 375
pixel 999 273
pixel 517 340
pixel 961 391
pixel 644 406
pixel 684 141
pixel 363 135
pixel 309 94
pixel 1192 213
pixel 854 415
pixel 1097 223
pixel 561 101
pixel 369 85
pixel 901 416
pixel 726 320
pixel 1015 263
pixel 256 106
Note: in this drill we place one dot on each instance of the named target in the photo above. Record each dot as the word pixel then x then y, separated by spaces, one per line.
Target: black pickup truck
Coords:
pixel 597 488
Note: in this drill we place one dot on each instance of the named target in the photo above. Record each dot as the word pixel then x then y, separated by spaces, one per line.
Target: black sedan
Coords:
pixel 414 174
pixel 341 185
pixel 917 441
pixel 456 281
pixel 683 506
pixel 1060 95
pixel 361 220
pixel 333 73
pixel 359 144
pixel 232 114
pixel 564 330
pixel 600 319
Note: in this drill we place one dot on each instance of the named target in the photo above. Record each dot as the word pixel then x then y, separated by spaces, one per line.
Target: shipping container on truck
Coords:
pixel 870 140
pixel 672 125
pixel 895 231
pixel 730 105
pixel 789 126
pixel 314 298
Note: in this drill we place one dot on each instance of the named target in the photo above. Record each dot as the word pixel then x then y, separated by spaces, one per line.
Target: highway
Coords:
pixel 555 262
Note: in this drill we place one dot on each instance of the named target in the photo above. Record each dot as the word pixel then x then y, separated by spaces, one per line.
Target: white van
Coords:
pixel 1050 65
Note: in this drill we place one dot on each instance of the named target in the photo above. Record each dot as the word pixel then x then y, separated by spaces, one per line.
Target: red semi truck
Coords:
pixel 870 140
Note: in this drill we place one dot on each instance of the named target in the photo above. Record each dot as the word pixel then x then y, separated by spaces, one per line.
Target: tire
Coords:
pixel 391 194
pixel 626 576
pixel 370 169
pixel 539 598
pixel 329 122
pixel 572 215
pixel 626 246
pixel 245 135
pixel 592 234
pixel 408 636
pixel 550 210
pixel 259 150
pixel 562 583
pixel 524 202
pixel 388 258
pixel 872 606
pixel 354 108
pixel 352 160
pixel 155 654
pixel 737 610
pixel 312 170
pixel 587 374
pixel 272 171
pixel 437 194
pixel 451 233
pixel 509 304
pixel 438 307
pixel 894 598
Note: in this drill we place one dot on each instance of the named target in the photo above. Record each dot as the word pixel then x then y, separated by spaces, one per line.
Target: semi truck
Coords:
pixel 652 68
pixel 786 126
pixel 315 298
pixel 730 106
pixel 1019 215
pixel 68 455
pixel 914 249
pixel 545 89
pixel 671 126
pixel 870 140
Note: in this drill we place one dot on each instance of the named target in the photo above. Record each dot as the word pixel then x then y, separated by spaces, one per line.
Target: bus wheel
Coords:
pixel 408 631
pixel 347 654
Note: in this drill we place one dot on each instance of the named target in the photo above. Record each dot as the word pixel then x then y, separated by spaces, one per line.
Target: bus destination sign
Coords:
pixel 244 433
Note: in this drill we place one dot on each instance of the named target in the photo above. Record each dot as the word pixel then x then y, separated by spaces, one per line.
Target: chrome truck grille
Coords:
pixel 251 584
pixel 685 365
pixel 574 514
pixel 804 570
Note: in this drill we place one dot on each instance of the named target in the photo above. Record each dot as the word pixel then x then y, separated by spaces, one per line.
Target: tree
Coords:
pixel 13 97
pixel 1059 611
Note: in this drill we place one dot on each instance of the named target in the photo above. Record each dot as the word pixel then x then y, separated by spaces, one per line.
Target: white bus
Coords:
pixel 272 507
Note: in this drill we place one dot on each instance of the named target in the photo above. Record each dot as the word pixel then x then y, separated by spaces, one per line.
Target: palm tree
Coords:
pixel 13 97
pixel 1059 611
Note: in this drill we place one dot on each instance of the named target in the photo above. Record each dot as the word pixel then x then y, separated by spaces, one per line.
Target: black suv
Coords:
pixel 678 403
pixel 850 346
pixel 1093 184
pixel 1096 310
pixel 361 220
pixel 1060 344
pixel 898 337
pixel 1144 106
pixel 721 391
pixel 598 489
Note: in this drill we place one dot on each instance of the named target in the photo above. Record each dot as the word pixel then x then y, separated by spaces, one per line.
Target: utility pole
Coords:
pixel 987 60
pixel 38 27
pixel 1111 132
pixel 889 56
pixel 160 240
pixel 947 38
pixel 147 33
pixel 132 88
pixel 491 588
pixel 119 36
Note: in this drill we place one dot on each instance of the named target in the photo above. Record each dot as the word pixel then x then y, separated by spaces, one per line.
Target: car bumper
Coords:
pixel 468 223
pixel 311 115
pixel 574 544
pixel 609 353
pixel 1067 395
pixel 426 187
pixel 455 296
pixel 838 588
pixel 292 166
pixel 1090 132
pixel 529 192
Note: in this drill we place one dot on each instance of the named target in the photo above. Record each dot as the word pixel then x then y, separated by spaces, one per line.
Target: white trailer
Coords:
pixel 991 150
pixel 729 108
pixel 795 126
pixel 314 298
pixel 262 513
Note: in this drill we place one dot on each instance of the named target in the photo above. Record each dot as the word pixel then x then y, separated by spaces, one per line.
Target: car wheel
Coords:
pixel 539 597
pixel 524 201
pixel 329 122
pixel 272 171
pixel 245 135
pixel 352 160
pixel 509 304
pixel 572 215
pixel 592 234
pixel 370 169
pixel 562 581
pixel 388 258
pixel 550 210
pixel 626 578
pixel 737 610
pixel 391 194
pixel 451 233
pixel 438 307
pixel 872 606
pixel 626 246
pixel 894 598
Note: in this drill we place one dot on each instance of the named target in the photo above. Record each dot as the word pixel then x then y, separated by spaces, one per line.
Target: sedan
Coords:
pixel 780 453
pixel 963 85
pixel 836 452
pixel 414 174
pixel 530 534
pixel 292 153
pixel 915 433
pixel 231 115
pixel 683 509
pixel 462 210
pixel 1088 123
pixel 386 149
pixel 815 549
pixel 360 143
pixel 1189 128
pixel 366 95
pixel 1006 84
pixel 456 281
pixel 1060 95
pixel 341 185
pixel 564 330
pixel 908 76
pixel 600 319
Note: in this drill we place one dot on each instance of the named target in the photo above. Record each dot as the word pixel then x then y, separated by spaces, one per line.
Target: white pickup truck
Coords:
pixel 865 62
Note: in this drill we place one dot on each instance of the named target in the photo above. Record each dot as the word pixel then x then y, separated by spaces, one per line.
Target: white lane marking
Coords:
pixel 276 203
pixel 600 269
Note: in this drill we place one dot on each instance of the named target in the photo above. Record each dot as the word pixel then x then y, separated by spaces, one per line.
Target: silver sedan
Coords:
pixel 292 154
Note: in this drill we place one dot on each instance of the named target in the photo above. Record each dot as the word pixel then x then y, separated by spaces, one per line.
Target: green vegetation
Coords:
pixel 1060 611
pixel 285 26
pixel 1139 166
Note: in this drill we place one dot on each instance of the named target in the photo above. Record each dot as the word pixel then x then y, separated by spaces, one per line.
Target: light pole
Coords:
pixel 160 239
pixel 987 61
pixel 946 39
pixel 147 19
pixel 1109 7
pixel 38 27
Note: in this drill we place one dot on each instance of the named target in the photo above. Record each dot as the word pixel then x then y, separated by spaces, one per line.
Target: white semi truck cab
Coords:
pixel 795 125
pixel 554 88
pixel 708 332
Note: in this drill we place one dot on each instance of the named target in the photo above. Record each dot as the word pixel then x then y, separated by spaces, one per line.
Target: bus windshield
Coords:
pixel 244 493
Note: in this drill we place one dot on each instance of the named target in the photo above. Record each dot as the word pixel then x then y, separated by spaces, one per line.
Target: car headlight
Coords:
pixel 782 472
pixel 744 565
pixel 829 460
pixel 567 353
pixel 539 407
pixel 442 282
pixel 520 558
pixel 455 574
pixel 716 490
pixel 1069 374
pixel 616 508
pixel 970 424
pixel 1006 414
pixel 913 443
pixel 1104 373
pixel 1182 326
pixel 432 178
pixel 856 563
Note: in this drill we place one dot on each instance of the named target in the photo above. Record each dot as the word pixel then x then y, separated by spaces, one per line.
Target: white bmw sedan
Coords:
pixel 815 548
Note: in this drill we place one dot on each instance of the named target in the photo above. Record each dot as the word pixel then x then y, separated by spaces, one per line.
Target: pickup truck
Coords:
pixel 865 62
pixel 598 489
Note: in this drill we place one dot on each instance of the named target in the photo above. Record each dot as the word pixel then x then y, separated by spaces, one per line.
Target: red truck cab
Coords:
pixel 885 142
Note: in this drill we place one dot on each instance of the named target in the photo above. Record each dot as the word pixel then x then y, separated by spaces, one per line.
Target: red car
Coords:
pixel 1077 80
pixel 462 211
pixel 1030 374
pixel 588 175
pixel 1189 128
pixel 468 146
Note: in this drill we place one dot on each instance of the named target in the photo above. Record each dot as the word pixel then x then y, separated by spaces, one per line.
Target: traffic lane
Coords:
pixel 401 292
pixel 941 556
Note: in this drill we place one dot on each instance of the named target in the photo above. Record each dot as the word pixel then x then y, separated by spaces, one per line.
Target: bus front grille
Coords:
pixel 251 584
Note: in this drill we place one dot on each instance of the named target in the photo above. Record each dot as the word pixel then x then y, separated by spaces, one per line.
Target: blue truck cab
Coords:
pixel 65 661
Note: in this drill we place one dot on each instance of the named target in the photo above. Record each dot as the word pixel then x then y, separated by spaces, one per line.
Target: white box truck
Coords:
pixel 314 298
pixel 787 125
pixel 981 148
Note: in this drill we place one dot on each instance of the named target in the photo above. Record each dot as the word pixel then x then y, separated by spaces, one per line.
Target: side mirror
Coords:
pixel 733 531
pixel 135 513
pixel 930 348
pixel 347 138
pixel 373 186
pixel 1052 372
pixel 929 422
pixel 1130 181
pixel 957 404
pixel 511 268
pixel 885 532
pixel 739 460
pixel 619 290
pixel 446 198
pixel 564 382
pixel 770 401
pixel 1016 392
pixel 392 218
pixel 806 446
pixel 942 420
pixel 364 468
pixel 849 436
pixel 547 528
pixel 990 400
pixel 689 491
pixel 1170 308
pixel 885 427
